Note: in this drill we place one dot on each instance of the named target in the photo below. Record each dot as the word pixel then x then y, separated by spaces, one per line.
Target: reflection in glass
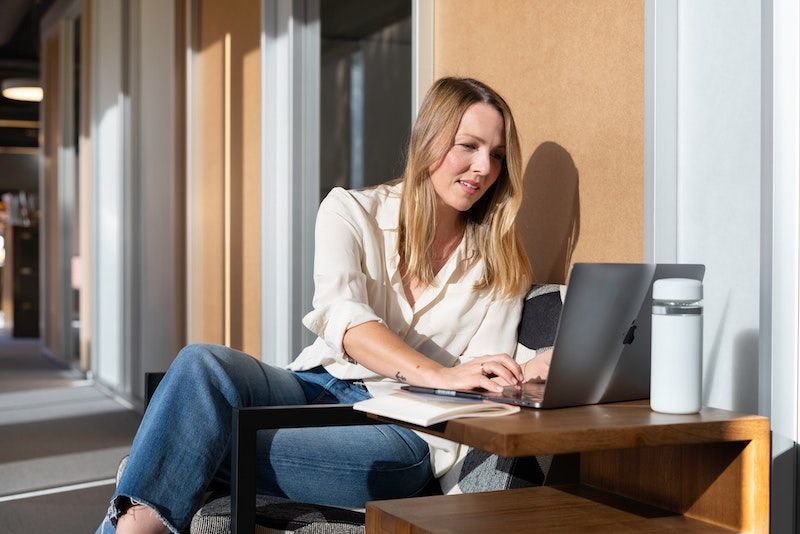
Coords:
pixel 365 84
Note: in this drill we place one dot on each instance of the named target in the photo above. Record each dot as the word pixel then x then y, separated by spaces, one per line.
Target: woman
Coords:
pixel 416 281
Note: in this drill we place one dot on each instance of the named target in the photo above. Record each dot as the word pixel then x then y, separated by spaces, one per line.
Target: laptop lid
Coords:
pixel 602 301
pixel 631 378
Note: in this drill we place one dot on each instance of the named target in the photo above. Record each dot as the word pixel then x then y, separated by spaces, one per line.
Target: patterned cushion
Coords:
pixel 479 471
pixel 277 515
pixel 539 322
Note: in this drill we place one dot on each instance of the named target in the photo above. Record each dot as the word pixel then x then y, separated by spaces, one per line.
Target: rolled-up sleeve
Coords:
pixel 497 333
pixel 340 290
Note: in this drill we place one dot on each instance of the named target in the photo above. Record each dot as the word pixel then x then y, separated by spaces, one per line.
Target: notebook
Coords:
pixel 602 345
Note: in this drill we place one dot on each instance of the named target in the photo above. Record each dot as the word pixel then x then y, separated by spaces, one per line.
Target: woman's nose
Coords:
pixel 482 163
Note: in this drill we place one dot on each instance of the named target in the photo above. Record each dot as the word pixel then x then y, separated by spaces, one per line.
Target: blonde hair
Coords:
pixel 491 226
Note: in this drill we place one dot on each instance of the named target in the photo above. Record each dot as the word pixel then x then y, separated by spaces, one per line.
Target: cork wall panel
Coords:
pixel 573 73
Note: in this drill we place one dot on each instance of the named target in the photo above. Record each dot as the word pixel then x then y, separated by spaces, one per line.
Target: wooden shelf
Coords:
pixel 705 469
pixel 548 509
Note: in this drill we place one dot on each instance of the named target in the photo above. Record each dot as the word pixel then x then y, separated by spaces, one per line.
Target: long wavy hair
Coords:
pixel 491 222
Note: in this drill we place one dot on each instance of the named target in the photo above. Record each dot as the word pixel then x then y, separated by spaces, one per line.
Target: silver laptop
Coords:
pixel 602 346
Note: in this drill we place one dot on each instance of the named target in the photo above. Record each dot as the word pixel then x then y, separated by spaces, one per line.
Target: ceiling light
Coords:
pixel 26 89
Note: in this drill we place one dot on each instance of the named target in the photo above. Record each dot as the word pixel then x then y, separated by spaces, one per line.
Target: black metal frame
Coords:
pixel 246 423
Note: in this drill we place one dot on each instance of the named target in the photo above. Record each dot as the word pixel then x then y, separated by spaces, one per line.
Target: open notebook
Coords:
pixel 426 410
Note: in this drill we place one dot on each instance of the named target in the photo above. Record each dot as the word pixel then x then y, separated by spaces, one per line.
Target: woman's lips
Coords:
pixel 469 186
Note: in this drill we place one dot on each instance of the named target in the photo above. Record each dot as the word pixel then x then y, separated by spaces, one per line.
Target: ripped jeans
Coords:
pixel 184 441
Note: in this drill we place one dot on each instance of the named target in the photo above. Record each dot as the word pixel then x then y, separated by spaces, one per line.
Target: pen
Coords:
pixel 444 392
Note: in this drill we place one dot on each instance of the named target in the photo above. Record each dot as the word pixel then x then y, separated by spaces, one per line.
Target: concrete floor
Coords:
pixel 60 441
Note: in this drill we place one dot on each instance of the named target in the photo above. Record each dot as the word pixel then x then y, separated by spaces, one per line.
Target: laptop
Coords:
pixel 602 345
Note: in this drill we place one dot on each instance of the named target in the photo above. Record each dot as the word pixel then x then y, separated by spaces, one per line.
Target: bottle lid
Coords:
pixel 677 289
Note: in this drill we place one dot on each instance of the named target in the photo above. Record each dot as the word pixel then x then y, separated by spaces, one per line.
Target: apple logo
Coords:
pixel 630 335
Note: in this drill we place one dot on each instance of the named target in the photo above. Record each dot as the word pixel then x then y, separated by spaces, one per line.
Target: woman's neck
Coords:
pixel 450 226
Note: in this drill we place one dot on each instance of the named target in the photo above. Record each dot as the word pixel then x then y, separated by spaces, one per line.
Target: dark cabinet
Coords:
pixel 26 281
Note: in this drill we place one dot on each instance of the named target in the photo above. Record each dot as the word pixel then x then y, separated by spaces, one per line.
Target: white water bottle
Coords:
pixel 676 371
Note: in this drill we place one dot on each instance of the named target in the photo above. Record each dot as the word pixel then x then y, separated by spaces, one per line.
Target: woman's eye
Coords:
pixel 498 157
pixel 468 146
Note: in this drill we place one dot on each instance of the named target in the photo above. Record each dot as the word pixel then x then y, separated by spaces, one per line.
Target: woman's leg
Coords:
pixel 185 434
pixel 341 466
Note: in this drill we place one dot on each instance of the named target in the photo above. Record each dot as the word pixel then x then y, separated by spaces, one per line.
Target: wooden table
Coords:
pixel 640 471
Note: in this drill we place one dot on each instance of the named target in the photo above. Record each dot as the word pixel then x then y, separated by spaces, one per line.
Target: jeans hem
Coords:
pixel 121 503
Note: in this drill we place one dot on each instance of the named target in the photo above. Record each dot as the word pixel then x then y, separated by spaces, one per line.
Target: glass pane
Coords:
pixel 365 84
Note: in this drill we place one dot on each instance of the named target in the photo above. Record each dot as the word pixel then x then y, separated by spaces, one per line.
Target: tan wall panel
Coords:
pixel 573 73
pixel 205 187
pixel 224 245
pixel 49 265
pixel 85 187
pixel 250 218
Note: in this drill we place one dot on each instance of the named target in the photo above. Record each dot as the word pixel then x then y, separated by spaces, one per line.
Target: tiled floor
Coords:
pixel 60 442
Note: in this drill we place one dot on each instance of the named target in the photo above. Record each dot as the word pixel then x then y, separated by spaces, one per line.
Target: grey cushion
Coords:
pixel 540 315
pixel 275 514
pixel 481 471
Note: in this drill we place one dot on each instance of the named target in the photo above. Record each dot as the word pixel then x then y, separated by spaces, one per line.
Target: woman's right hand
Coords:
pixel 478 373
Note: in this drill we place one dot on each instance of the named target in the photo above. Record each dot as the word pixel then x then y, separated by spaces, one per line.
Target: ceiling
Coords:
pixel 19 58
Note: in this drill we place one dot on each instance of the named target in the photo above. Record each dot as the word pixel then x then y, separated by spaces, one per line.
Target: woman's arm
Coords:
pixel 379 349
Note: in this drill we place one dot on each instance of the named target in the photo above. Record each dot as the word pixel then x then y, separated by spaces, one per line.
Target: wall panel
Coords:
pixel 223 188
pixel 573 73
pixel 51 204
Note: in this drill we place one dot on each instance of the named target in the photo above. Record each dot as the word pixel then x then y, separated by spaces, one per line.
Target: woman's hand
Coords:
pixel 478 373
pixel 537 368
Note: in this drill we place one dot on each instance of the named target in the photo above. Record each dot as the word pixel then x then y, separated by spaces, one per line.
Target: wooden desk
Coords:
pixel 640 471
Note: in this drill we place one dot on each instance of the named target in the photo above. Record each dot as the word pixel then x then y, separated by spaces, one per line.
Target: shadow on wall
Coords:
pixel 550 217
pixel 744 377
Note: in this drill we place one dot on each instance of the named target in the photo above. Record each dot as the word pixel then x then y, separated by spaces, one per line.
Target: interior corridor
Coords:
pixel 61 439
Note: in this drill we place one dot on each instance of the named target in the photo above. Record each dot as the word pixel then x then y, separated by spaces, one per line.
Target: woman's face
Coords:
pixel 473 163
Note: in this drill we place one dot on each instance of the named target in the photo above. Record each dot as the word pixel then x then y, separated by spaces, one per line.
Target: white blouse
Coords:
pixel 357 280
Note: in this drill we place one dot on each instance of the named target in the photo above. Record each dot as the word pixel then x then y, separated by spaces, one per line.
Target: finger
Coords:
pixel 489 385
pixel 499 370
pixel 509 363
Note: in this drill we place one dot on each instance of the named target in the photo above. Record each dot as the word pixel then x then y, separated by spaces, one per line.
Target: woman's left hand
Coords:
pixel 537 368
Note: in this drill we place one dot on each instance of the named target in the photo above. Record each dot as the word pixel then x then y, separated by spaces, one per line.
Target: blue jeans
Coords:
pixel 183 442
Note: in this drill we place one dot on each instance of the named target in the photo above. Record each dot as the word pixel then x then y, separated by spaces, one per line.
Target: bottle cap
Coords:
pixel 674 289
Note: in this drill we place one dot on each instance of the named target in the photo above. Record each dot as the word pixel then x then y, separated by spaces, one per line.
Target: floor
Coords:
pixel 61 439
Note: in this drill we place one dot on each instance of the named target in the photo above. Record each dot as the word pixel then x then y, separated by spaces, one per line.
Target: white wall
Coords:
pixel 161 219
pixel 703 173
pixel 780 241
pixel 108 102
pixel 718 185
pixel 723 159
pixel 138 216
